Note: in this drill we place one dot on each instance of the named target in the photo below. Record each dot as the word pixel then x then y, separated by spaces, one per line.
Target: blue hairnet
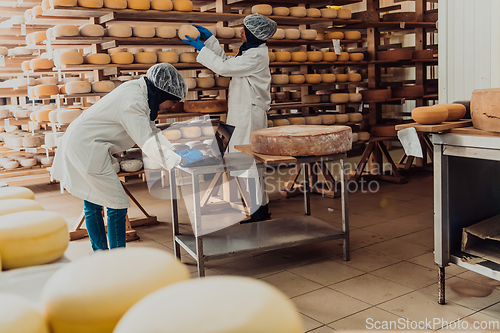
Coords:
pixel 260 26
pixel 165 77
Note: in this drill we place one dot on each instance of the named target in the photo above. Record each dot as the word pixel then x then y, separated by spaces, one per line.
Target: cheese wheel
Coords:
pixel 98 59
pixel 144 31
pixel 51 139
pixel 115 4
pixel 122 58
pixel 90 3
pixel 344 14
pixel 283 56
pixel 329 56
pixel 191 82
pixel 78 87
pixel 328 78
pixel 297 120
pixel 27 15
pixel 363 136
pixel 279 34
pixel 272 56
pixel 355 117
pixel 279 79
pixel 22 113
pixel 334 35
pixel 222 81
pixel 296 79
pixel 70 58
pixel 65 30
pixel 311 99
pixel 119 30
pixel 342 77
pixel 344 56
pixel 46 160
pixel 183 5
pixel 32 141
pixel 138 4
pixel 262 9
pixel 308 34
pixel 354 137
pixel 165 5
pixel 62 90
pixel 298 11
pixel 205 82
pixel 314 56
pixel 313 78
pixel 313 12
pixel 281 11
pixel 270 123
pixel 188 30
pixel 224 32
pixel 102 300
pixel 145 58
pixel 168 56
pixel 68 115
pixel 20 315
pixel 172 134
pixel 342 118
pixel 102 86
pixel 41 63
pixel 53 116
pixel 455 111
pixel 31 238
pixel 356 56
pixel 166 32
pixel 28 39
pixel 327 119
pixel 190 132
pixel 429 115
pixel 46 90
pixel 42 115
pixel 132 165
pixel 355 77
pixel 339 98
pixel 11 165
pixel 37 11
pixel 92 30
pixel 299 56
pixel 189 57
pixel 355 98
pixel 292 33
pixel 313 120
pixel 47 80
pixel 352 35
pixel 280 122
pixel 328 13
pixel 25 65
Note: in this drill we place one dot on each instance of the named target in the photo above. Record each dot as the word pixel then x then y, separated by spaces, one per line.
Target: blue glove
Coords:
pixel 204 32
pixel 197 44
pixel 190 156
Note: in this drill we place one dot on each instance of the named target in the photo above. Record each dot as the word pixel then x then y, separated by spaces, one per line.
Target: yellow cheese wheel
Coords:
pixel 356 56
pixel 355 98
pixel 189 30
pixel 99 301
pixel 122 58
pixel 65 30
pixel 145 31
pixel 162 5
pixel 334 35
pixel 66 116
pixel 342 77
pixel 92 30
pixel 297 120
pixel 292 33
pixel 190 132
pixel 46 90
pixel 299 56
pixel 281 11
pixel 90 3
pixel 102 86
pixel 189 57
pixel 339 98
pixel 329 13
pixel 355 77
pixel 25 65
pixel 329 56
pixel 37 11
pixel 344 14
pixel 120 30
pixel 78 87
pixel 328 78
pixel 314 56
pixel 279 79
pixel 297 79
pixel 63 3
pixel 310 99
pixel 98 59
pixel 313 12
pixel 183 5
pixel 205 82
pixel 308 34
pixel 38 37
pixel 115 4
pixel 168 56
pixel 32 238
pixel 20 315
pixel 145 58
pixel 344 56
pixel 342 118
pixel 224 32
pixel 283 56
pixel 355 117
pixel 16 192
pixel 42 115
pixel 352 35
pixel 279 34
pixel 166 32
pixel 272 56
pixel 327 119
pixel 298 11
pixel 313 78
pixel 172 134
pixel 314 120
pixel 70 58
pixel 262 9
pixel 281 122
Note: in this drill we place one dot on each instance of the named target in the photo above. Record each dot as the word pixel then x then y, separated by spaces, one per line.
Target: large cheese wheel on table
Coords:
pixel 165 5
pixel 115 4
pixel 100 301
pixel 98 59
pixel 210 106
pixel 90 3
pixel 120 30
pixel 426 115
pixel 259 307
pixel 301 140
pixel 16 193
pixel 20 315
pixel 166 32
pixel 183 5
pixel 65 30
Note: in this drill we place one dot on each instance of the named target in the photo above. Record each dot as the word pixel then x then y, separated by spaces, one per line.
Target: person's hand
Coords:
pixel 197 44
pixel 204 32
pixel 190 156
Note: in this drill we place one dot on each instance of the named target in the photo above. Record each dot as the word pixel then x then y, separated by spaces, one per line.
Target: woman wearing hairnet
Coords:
pixel 84 162
pixel 250 87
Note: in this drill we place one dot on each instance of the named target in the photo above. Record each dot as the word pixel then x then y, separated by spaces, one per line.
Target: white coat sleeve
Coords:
pixel 244 65
pixel 213 44
pixel 136 122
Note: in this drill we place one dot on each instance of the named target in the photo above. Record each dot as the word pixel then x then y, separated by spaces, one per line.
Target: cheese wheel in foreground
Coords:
pixel 20 315
pixel 300 140
pixel 10 206
pixel 258 307
pixel 32 238
pixel 16 193
pixel 102 279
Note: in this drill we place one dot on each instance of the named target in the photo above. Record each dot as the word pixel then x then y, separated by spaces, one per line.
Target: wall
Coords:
pixel 469 48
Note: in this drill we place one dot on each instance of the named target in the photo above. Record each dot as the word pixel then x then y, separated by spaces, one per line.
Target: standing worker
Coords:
pixel 123 118
pixel 250 88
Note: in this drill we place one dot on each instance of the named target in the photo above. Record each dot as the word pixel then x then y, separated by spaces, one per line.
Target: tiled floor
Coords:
pixel 390 277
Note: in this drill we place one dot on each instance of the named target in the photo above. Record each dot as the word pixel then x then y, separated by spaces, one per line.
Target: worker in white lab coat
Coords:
pixel 250 88
pixel 125 117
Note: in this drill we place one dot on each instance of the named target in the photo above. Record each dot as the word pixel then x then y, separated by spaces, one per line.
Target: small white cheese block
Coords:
pixel 165 5
pixel 65 30
pixel 144 31
pixel 189 30
pixel 10 165
pixel 166 32
pixel 20 315
pixel 132 165
pixel 119 30
pixel 262 9
pixel 78 87
pixel 191 132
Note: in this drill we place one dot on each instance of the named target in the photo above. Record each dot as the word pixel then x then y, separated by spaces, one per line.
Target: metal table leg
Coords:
pixel 198 232
pixel 175 214
pixel 307 194
pixel 441 286
pixel 345 211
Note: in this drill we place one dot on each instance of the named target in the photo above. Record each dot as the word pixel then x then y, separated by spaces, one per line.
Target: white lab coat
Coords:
pixel 83 161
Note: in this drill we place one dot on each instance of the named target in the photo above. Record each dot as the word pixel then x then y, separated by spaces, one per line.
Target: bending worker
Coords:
pixel 250 88
pixel 84 162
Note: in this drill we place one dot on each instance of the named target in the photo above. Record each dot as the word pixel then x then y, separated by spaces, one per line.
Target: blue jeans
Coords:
pixel 96 230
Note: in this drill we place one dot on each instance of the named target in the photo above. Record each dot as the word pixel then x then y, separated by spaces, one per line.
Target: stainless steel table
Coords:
pixel 240 239
pixel 466 191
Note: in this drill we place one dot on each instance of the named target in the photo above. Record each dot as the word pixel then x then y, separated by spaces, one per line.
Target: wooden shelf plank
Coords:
pixel 298 105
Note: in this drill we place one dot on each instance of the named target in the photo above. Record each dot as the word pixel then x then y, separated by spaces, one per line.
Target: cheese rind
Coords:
pixel 298 11
pixel 122 58
pixel 65 30
pixel 262 9
pixel 98 59
pixel 144 31
pixel 115 4
pixel 145 58
pixel 168 56
pixel 138 4
pixel 70 58
pixel 119 30
pixel 91 3
pixel 183 5
pixel 165 5
pixel 188 30
pixel 103 86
